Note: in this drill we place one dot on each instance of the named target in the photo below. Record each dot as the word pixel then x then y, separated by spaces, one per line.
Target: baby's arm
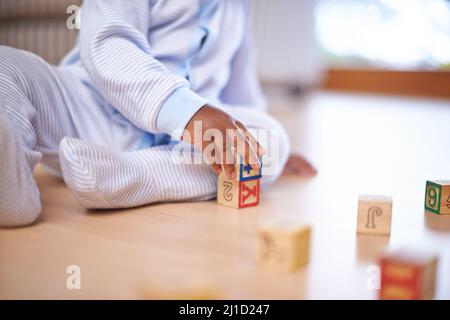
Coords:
pixel 117 55
pixel 115 51
pixel 243 87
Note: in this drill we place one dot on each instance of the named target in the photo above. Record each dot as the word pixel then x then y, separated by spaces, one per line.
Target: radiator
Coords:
pixel 284 37
pixel 38 26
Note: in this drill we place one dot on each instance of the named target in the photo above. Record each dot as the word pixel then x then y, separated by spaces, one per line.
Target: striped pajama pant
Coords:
pixel 49 115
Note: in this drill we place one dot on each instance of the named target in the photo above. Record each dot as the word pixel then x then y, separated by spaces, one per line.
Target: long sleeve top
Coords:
pixel 159 61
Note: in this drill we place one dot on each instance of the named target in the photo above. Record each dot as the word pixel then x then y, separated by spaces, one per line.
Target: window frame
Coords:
pixel 433 83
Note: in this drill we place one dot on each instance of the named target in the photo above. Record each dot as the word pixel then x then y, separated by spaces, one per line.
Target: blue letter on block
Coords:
pixel 246 172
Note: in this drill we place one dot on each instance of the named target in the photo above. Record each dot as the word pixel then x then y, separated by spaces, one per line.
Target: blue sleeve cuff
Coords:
pixel 177 111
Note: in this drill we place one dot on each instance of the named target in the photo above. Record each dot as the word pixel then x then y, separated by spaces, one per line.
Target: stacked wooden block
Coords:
pixel 408 275
pixel 241 192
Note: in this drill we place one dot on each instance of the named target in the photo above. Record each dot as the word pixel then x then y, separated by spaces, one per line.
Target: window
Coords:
pixel 386 34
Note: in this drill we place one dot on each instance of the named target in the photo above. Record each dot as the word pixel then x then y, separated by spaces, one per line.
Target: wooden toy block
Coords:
pixel 437 196
pixel 374 215
pixel 244 172
pixel 408 275
pixel 283 245
pixel 237 194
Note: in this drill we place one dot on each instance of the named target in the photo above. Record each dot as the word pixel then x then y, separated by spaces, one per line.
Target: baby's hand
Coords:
pixel 227 136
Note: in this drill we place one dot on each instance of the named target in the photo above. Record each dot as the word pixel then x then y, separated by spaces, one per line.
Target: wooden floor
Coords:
pixel 360 144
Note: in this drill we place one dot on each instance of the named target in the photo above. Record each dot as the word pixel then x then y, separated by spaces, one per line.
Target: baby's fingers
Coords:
pixel 214 161
pixel 217 168
pixel 227 161
pixel 249 147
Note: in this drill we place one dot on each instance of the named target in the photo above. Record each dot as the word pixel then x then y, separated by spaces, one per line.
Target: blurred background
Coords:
pixel 385 46
pixel 381 46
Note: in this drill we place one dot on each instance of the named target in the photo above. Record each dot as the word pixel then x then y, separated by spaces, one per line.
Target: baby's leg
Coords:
pixel 19 195
pixel 35 114
pixel 101 177
pixel 23 101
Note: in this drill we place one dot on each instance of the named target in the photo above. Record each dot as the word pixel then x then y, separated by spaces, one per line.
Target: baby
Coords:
pixel 144 75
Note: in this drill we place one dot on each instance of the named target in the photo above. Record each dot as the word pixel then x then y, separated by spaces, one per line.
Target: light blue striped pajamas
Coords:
pixel 105 118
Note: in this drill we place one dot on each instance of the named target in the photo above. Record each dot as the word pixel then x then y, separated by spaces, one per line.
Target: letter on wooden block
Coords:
pixel 237 194
pixel 283 245
pixel 245 172
pixel 374 215
pixel 408 275
pixel 437 197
